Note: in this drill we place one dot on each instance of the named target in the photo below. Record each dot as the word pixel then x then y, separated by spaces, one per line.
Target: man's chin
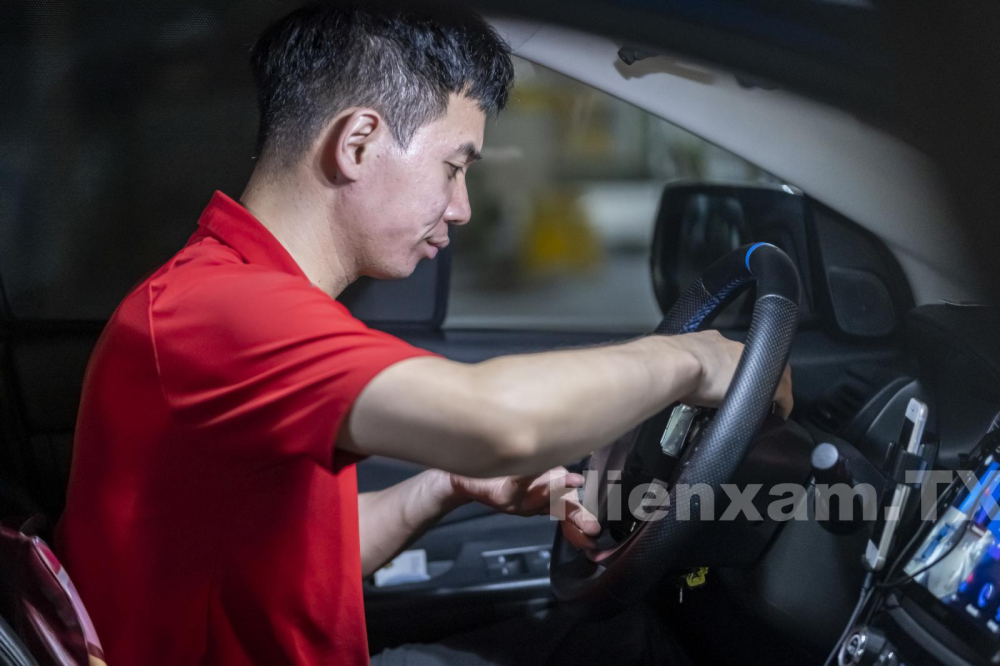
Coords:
pixel 391 272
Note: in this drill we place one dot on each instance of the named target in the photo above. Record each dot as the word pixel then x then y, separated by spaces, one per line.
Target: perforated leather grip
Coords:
pixel 761 264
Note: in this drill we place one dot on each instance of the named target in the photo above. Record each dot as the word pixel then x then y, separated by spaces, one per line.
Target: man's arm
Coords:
pixel 524 414
pixel 391 519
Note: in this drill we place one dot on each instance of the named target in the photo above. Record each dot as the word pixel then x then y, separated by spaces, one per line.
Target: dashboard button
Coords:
pixel 985 594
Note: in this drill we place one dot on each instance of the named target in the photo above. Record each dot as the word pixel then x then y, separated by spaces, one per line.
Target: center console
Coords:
pixel 939 602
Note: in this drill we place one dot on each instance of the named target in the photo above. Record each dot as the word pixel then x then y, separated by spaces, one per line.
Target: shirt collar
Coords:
pixel 234 225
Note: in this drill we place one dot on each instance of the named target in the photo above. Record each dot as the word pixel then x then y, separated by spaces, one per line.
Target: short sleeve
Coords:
pixel 260 362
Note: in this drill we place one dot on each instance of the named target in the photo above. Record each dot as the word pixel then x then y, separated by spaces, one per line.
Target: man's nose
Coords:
pixel 459 210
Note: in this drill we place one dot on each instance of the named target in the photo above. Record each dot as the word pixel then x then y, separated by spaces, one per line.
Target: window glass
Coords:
pixel 564 205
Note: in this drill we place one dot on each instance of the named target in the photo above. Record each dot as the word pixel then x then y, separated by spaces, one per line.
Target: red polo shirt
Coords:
pixel 209 518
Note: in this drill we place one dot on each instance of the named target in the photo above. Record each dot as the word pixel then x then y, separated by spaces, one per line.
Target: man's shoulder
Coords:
pixel 205 264
pixel 209 274
pixel 209 289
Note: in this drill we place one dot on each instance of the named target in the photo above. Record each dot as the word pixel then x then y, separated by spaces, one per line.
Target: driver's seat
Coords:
pixel 38 598
pixel 12 650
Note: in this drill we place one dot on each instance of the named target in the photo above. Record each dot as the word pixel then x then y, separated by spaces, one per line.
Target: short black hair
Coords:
pixel 401 60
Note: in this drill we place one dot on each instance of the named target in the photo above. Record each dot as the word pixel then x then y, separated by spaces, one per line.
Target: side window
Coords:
pixel 564 205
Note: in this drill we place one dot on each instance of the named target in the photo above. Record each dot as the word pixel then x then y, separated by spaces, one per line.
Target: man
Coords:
pixel 212 511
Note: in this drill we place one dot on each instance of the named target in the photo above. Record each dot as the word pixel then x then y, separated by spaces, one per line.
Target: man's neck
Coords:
pixel 300 221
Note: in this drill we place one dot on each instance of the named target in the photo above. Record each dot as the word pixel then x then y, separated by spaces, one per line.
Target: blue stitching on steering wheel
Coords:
pixel 713 303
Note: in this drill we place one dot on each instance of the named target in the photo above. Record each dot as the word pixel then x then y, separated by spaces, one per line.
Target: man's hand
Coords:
pixel 394 517
pixel 718 358
pixel 553 492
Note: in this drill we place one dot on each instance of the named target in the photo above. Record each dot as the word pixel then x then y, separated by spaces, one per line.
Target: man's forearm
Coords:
pixel 518 414
pixel 572 402
pixel 391 519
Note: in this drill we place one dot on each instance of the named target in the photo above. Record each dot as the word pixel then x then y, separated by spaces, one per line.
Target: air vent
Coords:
pixel 833 411
pixel 841 403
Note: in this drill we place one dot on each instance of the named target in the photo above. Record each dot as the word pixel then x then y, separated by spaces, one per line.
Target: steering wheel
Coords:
pixel 681 446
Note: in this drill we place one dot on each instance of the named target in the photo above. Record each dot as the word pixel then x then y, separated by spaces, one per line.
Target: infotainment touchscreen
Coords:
pixel 964 548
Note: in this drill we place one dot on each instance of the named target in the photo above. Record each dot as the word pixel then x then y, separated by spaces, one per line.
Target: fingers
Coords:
pixel 581 519
pixel 558 495
pixel 565 481
pixel 577 538
pixel 580 527
pixel 553 481
pixel 783 397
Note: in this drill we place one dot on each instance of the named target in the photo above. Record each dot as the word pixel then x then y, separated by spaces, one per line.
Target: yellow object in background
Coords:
pixel 560 239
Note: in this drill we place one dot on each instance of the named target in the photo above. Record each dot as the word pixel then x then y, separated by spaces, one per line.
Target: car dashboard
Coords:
pixel 940 605
pixel 937 600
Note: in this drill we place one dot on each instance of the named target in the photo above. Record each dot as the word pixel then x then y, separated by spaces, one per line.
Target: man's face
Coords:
pixel 412 195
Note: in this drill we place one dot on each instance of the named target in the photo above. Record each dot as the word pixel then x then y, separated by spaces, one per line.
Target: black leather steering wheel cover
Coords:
pixel 659 546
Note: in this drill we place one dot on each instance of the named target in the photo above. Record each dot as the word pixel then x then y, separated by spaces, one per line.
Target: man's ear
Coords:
pixel 347 144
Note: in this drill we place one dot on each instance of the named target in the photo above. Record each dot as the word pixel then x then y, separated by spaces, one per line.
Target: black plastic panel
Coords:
pixel 860 288
pixel 957 349
pixel 420 301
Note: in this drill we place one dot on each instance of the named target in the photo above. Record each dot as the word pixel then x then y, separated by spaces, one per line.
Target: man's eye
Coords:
pixel 453 171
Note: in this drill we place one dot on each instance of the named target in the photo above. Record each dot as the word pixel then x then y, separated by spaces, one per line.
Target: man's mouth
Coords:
pixel 439 243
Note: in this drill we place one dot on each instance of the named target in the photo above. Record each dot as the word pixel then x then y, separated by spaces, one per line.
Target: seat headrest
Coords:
pixel 417 302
